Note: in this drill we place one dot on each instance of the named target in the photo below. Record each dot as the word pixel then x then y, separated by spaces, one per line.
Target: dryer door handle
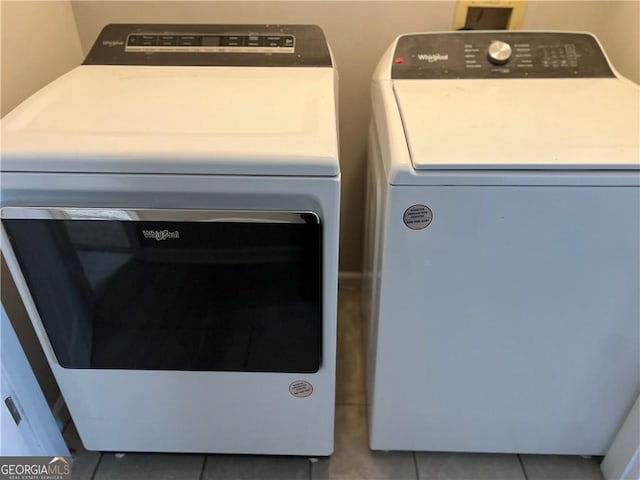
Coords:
pixel 160 215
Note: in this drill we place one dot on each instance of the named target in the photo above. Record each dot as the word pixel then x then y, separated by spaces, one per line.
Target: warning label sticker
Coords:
pixel 300 389
pixel 417 217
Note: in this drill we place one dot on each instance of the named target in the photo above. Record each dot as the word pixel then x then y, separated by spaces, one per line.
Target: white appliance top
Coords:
pixel 207 102
pixel 557 124
pixel 502 100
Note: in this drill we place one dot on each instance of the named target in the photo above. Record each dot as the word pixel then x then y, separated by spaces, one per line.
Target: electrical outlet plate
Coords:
pixel 516 6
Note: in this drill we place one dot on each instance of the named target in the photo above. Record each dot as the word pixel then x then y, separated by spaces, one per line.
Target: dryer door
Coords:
pixel 174 289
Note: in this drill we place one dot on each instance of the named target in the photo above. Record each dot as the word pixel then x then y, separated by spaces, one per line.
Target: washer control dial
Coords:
pixel 499 52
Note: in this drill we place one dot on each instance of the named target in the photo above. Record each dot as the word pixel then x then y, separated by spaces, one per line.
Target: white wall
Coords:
pixel 39 43
pixel 619 31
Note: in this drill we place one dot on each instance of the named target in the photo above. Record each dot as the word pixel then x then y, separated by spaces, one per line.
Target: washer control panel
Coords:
pixel 499 54
pixel 211 45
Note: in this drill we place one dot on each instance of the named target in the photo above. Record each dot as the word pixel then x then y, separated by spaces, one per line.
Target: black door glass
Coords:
pixel 208 296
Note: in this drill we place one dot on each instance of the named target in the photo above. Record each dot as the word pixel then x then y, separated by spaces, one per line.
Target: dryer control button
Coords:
pixel 499 52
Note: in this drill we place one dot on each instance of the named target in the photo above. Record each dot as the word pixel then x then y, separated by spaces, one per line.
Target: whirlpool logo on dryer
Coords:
pixel 160 235
pixel 112 43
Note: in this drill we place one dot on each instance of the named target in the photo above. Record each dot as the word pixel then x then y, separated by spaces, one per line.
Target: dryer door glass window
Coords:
pixel 152 290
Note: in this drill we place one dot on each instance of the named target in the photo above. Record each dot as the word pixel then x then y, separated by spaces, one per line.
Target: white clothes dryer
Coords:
pixel 170 215
pixel 503 259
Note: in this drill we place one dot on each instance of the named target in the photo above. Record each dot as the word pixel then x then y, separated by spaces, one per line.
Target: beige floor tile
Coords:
pixel 150 466
pixel 468 466
pixel 350 382
pixel 561 467
pixel 253 467
pixel 353 460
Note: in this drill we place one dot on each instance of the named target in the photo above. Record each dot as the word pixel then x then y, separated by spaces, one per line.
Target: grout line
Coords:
pixel 204 466
pixel 95 470
pixel 524 471
pixel 310 469
pixel 415 464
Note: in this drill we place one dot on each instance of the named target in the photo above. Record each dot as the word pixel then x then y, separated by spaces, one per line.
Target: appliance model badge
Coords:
pixel 159 235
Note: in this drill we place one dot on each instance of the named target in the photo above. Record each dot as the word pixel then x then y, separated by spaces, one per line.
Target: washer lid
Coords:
pixel 536 124
pixel 179 120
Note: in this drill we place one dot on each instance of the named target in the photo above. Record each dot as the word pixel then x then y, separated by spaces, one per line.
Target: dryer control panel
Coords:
pixel 211 45
pixel 499 54
pixel 208 43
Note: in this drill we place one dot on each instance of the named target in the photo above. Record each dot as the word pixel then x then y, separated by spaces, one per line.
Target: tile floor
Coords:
pixel 352 459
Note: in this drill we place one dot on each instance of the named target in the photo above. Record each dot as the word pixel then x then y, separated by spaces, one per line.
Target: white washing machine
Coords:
pixel 170 216
pixel 504 244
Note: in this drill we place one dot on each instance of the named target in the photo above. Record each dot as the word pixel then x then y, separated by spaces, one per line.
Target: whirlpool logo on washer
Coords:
pixel 433 57
pixel 160 235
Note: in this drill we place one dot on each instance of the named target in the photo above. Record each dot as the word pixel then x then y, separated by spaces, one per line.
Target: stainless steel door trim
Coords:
pixel 157 215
